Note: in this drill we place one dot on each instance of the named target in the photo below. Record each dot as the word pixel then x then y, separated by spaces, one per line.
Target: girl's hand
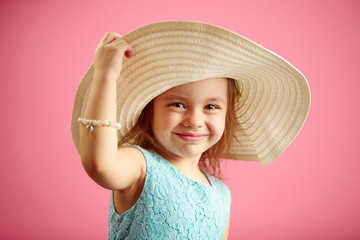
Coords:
pixel 109 55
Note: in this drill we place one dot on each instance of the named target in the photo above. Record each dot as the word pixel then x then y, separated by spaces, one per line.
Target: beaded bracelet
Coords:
pixel 90 124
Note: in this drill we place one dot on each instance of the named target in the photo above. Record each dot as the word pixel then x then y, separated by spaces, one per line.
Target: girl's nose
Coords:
pixel 194 119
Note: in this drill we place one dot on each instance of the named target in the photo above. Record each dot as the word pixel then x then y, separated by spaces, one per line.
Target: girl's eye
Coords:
pixel 212 107
pixel 177 105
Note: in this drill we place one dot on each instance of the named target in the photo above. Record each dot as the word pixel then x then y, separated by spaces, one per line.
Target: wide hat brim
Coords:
pixel 275 96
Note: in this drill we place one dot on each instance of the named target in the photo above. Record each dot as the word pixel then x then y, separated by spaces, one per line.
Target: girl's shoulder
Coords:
pixel 151 157
pixel 134 154
pixel 145 152
pixel 219 185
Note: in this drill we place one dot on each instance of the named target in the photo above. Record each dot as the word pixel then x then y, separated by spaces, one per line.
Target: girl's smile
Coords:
pixel 191 137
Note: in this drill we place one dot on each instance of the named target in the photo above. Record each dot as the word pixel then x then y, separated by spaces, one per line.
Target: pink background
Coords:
pixel 312 191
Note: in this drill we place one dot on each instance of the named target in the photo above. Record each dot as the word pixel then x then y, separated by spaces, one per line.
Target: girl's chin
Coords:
pixel 179 154
pixel 188 152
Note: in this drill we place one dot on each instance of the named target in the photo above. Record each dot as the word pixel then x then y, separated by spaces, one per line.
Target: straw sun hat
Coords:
pixel 275 96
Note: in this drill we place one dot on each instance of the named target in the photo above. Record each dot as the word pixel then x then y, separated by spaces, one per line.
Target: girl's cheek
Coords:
pixel 217 125
pixel 169 121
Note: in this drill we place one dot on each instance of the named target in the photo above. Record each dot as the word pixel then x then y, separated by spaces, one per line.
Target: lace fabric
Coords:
pixel 172 206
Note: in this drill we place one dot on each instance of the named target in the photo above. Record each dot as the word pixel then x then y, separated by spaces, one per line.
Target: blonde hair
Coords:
pixel 141 134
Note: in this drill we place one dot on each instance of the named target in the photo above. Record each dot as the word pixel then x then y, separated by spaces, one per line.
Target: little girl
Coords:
pixel 185 95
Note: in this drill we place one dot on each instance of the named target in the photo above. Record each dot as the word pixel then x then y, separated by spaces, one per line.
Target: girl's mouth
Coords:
pixel 191 137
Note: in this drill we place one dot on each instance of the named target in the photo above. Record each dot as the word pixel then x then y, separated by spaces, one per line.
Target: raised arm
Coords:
pixel 107 165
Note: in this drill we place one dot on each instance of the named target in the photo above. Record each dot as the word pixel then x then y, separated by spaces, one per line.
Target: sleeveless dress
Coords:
pixel 172 206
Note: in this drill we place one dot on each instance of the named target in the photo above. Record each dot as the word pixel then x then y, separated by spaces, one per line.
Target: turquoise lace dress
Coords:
pixel 172 206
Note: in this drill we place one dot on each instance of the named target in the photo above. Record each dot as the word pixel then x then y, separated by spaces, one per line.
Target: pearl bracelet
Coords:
pixel 90 124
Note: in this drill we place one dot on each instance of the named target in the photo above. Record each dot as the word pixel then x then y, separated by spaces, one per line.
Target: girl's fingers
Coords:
pixel 110 37
pixel 129 53
pixel 123 45
pixel 115 40
pixel 119 42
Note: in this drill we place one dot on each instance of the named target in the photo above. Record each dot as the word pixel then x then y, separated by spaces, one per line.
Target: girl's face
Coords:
pixel 189 119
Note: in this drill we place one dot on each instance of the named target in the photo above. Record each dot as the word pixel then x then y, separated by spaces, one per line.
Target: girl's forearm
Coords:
pixel 98 149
